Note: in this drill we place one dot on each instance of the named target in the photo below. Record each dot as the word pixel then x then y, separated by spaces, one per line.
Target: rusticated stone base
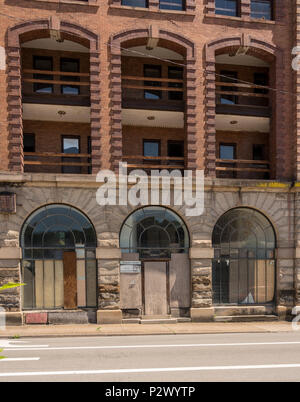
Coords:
pixel 109 317
pixel 13 319
pixel 202 314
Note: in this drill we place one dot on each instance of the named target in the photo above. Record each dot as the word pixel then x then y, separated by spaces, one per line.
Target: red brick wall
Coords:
pixel 199 29
pixel 48 138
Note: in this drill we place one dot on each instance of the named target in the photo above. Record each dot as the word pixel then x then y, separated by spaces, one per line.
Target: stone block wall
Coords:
pixel 277 201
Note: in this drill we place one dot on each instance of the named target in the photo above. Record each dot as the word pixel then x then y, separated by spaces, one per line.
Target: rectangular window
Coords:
pixel 152 148
pixel 227 7
pixel 177 5
pixel 70 66
pixel 228 151
pixel 43 63
pixel 261 79
pixel 258 152
pixel 176 149
pixel 135 3
pixel 71 145
pixel 262 9
pixel 229 77
pixel 177 74
pixel 29 143
pixel 152 71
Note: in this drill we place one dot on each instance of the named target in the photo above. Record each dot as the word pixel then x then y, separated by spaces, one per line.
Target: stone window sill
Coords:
pixel 88 3
pixel 240 19
pixel 156 11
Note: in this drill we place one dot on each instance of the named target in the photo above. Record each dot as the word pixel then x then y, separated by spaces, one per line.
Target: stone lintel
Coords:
pixel 10 253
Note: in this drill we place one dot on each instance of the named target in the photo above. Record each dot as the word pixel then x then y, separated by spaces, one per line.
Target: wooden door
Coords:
pixel 70 280
pixel 155 288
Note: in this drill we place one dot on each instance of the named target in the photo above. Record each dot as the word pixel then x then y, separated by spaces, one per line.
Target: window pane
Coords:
pixel 70 66
pixel 46 64
pixel 29 143
pixel 171 5
pixel 177 74
pixel 135 3
pixel 151 148
pixel 152 71
pixel 261 9
pixel 227 7
pixel 71 146
pixel 227 152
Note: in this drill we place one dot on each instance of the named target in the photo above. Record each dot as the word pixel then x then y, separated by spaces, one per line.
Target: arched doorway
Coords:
pixel 244 262
pixel 155 271
pixel 59 259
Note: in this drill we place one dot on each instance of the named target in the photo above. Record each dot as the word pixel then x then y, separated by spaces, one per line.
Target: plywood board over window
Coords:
pixel 70 280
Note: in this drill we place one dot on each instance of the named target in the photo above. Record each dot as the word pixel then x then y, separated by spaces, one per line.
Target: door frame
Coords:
pixel 168 293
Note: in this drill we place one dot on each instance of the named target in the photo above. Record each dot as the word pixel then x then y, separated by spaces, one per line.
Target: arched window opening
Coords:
pixel 59 259
pixel 154 232
pixel 244 261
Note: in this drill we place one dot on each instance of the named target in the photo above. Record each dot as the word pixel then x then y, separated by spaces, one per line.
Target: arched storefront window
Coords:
pixel 154 232
pixel 59 259
pixel 244 262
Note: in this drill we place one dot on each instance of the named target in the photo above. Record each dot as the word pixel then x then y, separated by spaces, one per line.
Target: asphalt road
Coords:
pixel 166 358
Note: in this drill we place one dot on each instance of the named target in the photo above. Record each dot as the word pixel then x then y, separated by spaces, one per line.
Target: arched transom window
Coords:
pixel 244 263
pixel 59 259
pixel 154 232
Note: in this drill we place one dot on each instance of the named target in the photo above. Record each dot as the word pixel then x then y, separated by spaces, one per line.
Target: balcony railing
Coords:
pixel 251 168
pixel 59 78
pixel 154 162
pixel 242 99
pixel 153 93
pixel 38 160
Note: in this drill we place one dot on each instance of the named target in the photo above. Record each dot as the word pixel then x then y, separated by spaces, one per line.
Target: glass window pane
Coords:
pixel 261 9
pixel 135 3
pixel 45 64
pixel 151 148
pixel 227 7
pixel 71 146
pixel 171 5
pixel 227 152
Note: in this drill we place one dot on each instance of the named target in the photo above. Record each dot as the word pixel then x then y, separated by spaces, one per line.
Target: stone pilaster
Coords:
pixel 201 269
pixel 109 311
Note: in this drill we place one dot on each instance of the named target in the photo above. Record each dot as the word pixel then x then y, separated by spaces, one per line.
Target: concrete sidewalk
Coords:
pixel 149 329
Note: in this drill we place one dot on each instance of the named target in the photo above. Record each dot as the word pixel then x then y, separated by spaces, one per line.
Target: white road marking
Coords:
pixel 191 345
pixel 149 370
pixel 19 359
pixel 16 344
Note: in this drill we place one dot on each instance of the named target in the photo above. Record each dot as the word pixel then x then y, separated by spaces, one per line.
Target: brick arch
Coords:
pixel 14 99
pixel 269 53
pixel 116 90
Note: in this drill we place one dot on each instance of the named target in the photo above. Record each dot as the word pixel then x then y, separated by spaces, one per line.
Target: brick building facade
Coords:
pixel 195 84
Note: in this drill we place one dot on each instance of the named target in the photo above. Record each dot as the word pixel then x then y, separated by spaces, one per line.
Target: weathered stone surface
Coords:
pixel 14 319
pixel 105 289
pixel 65 317
pixel 109 316
pixel 108 305
pixel 110 279
pixel 9 264
pixel 202 314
